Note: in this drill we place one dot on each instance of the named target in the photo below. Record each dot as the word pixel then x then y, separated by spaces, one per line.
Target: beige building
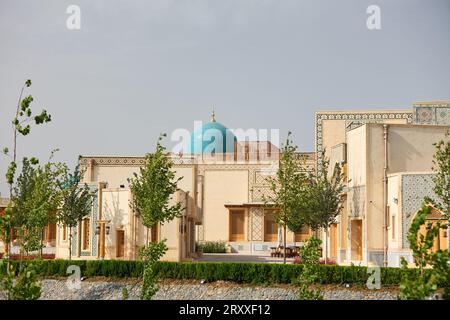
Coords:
pixel 223 190
pixel 387 159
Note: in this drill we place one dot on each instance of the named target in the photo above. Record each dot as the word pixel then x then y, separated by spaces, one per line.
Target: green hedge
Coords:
pixel 211 247
pixel 254 273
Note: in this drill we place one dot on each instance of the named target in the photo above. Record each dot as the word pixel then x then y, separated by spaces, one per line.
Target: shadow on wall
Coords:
pixel 402 153
pixel 115 214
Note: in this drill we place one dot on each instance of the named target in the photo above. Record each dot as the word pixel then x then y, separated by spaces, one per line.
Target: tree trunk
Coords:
pixel 41 241
pixel 284 241
pixel 70 243
pixel 326 245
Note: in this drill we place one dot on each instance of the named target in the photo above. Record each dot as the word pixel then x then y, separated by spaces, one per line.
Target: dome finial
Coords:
pixel 213 115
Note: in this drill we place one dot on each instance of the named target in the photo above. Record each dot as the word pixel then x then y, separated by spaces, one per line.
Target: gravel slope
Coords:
pixel 94 289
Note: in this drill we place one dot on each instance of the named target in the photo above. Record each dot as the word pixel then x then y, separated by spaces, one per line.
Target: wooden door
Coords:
pixel 356 239
pixel 120 246
pixel 270 227
pixel 237 227
pixel 333 241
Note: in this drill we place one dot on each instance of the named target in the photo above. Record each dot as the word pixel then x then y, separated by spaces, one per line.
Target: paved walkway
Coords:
pixel 240 257
pixel 16 249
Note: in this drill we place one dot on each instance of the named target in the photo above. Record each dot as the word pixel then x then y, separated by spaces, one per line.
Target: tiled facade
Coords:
pixel 434 113
pixel 415 187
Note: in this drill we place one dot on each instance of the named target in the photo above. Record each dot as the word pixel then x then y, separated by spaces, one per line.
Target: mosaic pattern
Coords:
pixel 256 225
pixel 443 115
pixel 424 115
pixel 262 176
pixel 200 232
pixel 94 218
pixel 258 193
pixel 415 187
pixel 128 161
pixel 435 114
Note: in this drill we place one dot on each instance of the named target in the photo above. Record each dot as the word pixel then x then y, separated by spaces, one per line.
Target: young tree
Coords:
pixel 76 203
pixel 310 259
pixel 36 198
pixel 21 127
pixel 441 165
pixel 152 190
pixel 22 283
pixel 323 200
pixel 287 190
pixel 423 283
pixel 432 265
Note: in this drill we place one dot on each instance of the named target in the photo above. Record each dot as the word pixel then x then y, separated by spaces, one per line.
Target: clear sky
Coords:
pixel 138 68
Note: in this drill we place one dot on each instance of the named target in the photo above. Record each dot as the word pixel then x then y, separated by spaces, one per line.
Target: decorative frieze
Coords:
pixel 354 120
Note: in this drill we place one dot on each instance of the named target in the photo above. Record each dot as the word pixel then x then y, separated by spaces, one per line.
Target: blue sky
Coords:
pixel 138 68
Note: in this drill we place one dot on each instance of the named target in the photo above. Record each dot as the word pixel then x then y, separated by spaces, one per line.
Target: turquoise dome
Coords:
pixel 213 137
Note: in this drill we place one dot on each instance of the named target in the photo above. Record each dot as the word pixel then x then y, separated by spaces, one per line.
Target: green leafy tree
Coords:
pixel 441 165
pixel 323 200
pixel 36 198
pixel 310 258
pixel 153 189
pixel 21 283
pixel 21 123
pixel 151 254
pixel 432 266
pixel 76 202
pixel 287 190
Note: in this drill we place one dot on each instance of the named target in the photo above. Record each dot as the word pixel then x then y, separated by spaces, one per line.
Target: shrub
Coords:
pixel 429 279
pixel 255 273
pixel 310 257
pixel 211 247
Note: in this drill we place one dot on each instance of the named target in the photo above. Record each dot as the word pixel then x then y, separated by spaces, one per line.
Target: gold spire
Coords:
pixel 213 115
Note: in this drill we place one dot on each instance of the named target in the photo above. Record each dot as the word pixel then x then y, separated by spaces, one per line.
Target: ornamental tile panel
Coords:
pixel 435 114
pixel 257 222
pixel 443 116
pixel 415 187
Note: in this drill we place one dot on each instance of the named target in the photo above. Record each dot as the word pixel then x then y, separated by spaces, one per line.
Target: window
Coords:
pixel 303 234
pixel 237 219
pixel 86 233
pixel 270 227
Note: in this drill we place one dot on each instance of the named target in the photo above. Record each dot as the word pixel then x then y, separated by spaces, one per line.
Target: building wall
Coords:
pixel 332 126
pixel 406 194
pixel 410 149
pixel 114 204
pixel 222 187
pixel 357 188
pixel 116 209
